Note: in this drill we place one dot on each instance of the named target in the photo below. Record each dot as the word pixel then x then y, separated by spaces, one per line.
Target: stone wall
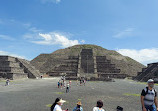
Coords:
pixel 69 67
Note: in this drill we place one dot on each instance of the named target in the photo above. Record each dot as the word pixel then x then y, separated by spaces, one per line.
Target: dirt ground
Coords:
pixel 38 95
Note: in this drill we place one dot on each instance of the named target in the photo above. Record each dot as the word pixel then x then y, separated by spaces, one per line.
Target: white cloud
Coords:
pixel 51 1
pixel 124 33
pixel 6 37
pixel 11 54
pixel 54 38
pixel 82 41
pixel 143 56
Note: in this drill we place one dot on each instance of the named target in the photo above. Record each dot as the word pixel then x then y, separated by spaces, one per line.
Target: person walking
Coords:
pixel 7 82
pixel 78 107
pixel 84 82
pixel 148 97
pixel 56 106
pixel 67 88
pixel 58 84
pixel 99 106
pixel 70 83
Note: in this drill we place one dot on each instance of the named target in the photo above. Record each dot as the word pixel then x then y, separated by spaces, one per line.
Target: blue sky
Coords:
pixel 31 27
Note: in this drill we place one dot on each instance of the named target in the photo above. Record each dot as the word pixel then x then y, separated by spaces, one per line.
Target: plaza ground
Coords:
pixel 37 95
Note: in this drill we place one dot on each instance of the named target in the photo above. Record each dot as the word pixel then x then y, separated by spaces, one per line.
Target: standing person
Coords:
pixel 84 82
pixel 56 106
pixel 99 106
pixel 58 84
pixel 78 107
pixel 80 81
pixel 41 76
pixel 67 88
pixel 148 97
pixel 65 84
pixel 7 82
pixel 70 83
pixel 61 84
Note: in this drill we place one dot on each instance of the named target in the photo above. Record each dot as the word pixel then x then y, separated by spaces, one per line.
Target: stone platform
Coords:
pixel 15 68
pixel 87 65
pixel 151 72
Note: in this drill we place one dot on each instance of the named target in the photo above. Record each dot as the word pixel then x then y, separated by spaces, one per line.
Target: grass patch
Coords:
pixel 128 94
pixel 141 83
pixel 59 93
pixel 49 105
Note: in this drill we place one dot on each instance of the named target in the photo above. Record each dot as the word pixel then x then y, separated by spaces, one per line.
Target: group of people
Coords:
pixel 56 106
pixel 81 81
pixel 148 100
pixel 62 83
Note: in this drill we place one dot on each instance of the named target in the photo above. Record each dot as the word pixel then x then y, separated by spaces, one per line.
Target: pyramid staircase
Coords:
pixel 15 68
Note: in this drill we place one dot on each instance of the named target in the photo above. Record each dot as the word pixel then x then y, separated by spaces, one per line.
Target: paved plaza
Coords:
pixel 37 95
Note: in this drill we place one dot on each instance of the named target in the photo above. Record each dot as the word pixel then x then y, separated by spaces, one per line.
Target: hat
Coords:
pixel 119 108
pixel 150 81
pixel 61 101
pixel 79 103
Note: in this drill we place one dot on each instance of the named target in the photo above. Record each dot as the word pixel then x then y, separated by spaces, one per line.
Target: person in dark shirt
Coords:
pixel 148 97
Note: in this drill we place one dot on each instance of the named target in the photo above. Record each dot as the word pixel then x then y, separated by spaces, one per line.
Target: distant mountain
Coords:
pixel 46 62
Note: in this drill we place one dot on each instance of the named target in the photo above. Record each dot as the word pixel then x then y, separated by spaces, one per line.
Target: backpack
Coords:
pixel 146 90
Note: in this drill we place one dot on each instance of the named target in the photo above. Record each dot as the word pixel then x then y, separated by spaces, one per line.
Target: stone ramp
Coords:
pixel 30 69
pixel 151 72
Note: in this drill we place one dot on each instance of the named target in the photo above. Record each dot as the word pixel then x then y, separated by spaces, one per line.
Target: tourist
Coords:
pixel 70 83
pixel 78 107
pixel 64 84
pixel 62 78
pixel 99 106
pixel 7 82
pixel 56 106
pixel 84 82
pixel 80 81
pixel 119 108
pixel 67 88
pixel 58 84
pixel 41 76
pixel 148 97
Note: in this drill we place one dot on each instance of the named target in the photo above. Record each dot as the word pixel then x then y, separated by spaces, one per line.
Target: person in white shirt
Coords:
pixel 99 106
pixel 57 105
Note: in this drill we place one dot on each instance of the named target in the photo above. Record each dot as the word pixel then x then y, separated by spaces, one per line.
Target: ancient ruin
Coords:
pixel 90 61
pixel 16 68
pixel 151 72
pixel 88 66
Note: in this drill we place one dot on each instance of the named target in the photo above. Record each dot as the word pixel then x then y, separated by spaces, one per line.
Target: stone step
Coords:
pixel 11 75
pixel 11 69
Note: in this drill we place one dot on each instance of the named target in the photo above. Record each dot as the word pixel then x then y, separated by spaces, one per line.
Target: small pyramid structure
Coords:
pixel 16 68
pixel 151 72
